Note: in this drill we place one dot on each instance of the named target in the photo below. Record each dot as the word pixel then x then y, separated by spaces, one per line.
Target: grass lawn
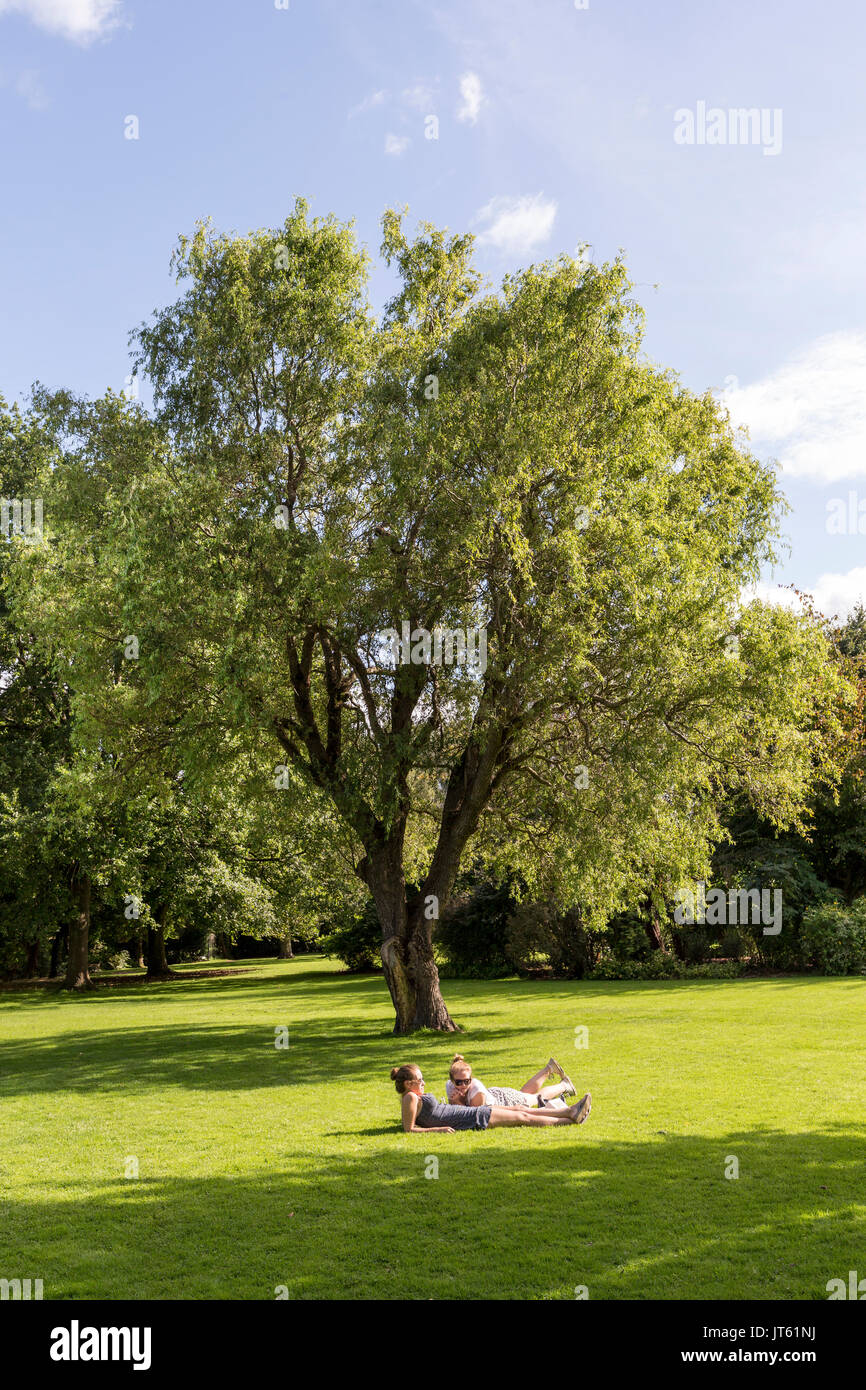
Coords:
pixel 261 1168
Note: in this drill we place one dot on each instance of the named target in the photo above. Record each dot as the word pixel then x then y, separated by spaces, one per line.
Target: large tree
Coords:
pixel 503 461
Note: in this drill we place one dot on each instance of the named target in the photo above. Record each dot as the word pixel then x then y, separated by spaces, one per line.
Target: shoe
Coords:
pixel 572 1089
pixel 554 1066
pixel 580 1111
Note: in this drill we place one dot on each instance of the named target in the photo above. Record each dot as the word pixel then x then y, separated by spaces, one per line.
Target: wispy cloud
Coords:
pixel 516 224
pixel 471 97
pixel 811 412
pixel 79 20
pixel 368 104
pixel 421 96
pixel 396 144
pixel 832 594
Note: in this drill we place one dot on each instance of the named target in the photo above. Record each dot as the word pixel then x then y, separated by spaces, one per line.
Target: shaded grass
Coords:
pixel 261 1167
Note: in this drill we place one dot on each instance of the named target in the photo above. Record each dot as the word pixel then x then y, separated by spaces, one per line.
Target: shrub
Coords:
pixel 107 959
pixel 471 933
pixel 833 937
pixel 355 940
pixel 541 929
pixel 696 944
pixel 470 970
pixel 732 943
pixel 661 966
pixel 626 937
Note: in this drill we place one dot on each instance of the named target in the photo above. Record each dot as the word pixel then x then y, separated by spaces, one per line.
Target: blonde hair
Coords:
pixel 458 1057
pixel 401 1075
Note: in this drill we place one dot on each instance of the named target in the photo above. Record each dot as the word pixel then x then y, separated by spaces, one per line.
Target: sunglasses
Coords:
pixel 464 1081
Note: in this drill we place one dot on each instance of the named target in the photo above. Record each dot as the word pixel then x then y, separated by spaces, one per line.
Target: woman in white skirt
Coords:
pixel 465 1089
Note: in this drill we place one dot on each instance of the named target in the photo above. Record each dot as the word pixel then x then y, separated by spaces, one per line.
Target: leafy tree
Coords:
pixel 505 462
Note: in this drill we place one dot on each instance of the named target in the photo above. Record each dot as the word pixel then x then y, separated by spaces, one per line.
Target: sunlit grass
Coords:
pixel 261 1168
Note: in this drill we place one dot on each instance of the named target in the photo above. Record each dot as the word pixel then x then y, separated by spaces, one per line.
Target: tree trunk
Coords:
pixel 654 930
pixel 56 947
pixel 77 962
pixel 210 945
pixel 31 966
pixel 224 946
pixel 413 982
pixel 136 950
pixel 157 965
pixel 285 948
pixel 407 949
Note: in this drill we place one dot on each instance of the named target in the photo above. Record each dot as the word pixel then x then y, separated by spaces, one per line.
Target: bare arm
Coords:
pixel 477 1097
pixel 410 1112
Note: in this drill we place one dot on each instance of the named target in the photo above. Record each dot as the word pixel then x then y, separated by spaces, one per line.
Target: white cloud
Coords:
pixel 420 96
pixel 831 594
pixel 472 97
pixel 373 100
pixel 516 224
pixel 396 144
pixel 81 20
pixel 811 412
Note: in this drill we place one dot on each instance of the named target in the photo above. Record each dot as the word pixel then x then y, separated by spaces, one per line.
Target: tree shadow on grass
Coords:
pixel 223 1057
pixel 510 1215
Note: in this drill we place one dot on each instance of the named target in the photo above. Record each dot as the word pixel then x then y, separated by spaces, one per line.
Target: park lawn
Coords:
pixel 261 1168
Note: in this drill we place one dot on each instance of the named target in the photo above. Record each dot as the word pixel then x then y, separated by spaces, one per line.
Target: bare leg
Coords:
pixel 554 1092
pixel 510 1116
pixel 535 1083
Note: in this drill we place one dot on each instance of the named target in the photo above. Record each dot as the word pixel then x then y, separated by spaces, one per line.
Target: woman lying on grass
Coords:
pixel 462 1088
pixel 424 1114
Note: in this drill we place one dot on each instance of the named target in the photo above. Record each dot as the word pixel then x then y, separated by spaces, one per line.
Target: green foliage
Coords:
pixel 296 492
pixel 626 937
pixel 354 938
pixel 663 966
pixel 472 932
pixel 560 935
pixel 833 937
pixel 696 944
pixel 595 518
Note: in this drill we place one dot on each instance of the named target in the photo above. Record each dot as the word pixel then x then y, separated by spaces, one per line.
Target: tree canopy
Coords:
pixel 503 463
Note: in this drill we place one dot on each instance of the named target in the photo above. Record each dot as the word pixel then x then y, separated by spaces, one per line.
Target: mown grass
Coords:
pixel 261 1168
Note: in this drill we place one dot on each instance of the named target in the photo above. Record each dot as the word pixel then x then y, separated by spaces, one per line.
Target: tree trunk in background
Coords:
pixel 31 966
pixel 57 944
pixel 285 948
pixel 654 931
pixel 77 962
pixel 157 965
pixel 224 946
pixel 210 945
pixel 136 951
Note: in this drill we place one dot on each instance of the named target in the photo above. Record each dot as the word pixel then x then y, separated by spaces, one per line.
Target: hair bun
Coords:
pixel 458 1057
pixel 394 1071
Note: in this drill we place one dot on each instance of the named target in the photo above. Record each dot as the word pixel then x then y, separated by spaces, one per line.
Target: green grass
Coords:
pixel 261 1168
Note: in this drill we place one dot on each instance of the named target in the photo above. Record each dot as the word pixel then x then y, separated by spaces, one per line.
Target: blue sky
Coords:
pixel 557 125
